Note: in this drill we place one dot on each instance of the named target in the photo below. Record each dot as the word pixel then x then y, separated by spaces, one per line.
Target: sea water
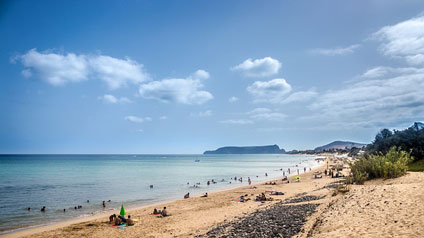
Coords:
pixel 65 181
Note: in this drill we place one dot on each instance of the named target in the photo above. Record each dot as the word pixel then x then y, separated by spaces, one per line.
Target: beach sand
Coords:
pixel 380 208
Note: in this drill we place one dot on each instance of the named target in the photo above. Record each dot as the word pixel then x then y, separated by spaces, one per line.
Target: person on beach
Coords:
pixel 104 204
pixel 43 209
pixel 205 196
pixel 112 218
pixel 123 219
pixel 249 181
pixel 88 201
pixel 29 209
pixel 164 212
pixel 130 221
pixel 304 169
pixel 289 170
pixel 266 174
pixel 118 221
pixel 155 211
pixel 187 195
pixel 64 210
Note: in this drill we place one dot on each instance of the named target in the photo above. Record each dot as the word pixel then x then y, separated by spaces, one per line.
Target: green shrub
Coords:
pixel 417 166
pixel 392 165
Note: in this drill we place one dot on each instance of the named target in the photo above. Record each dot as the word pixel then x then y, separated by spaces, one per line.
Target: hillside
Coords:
pixel 339 145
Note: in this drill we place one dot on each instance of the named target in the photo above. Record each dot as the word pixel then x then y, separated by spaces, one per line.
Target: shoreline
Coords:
pixel 104 216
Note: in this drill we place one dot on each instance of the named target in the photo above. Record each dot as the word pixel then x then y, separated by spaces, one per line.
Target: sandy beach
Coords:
pixel 389 208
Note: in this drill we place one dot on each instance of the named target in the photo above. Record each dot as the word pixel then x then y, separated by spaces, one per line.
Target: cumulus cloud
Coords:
pixel 403 40
pixel 233 99
pixel 180 90
pixel 163 117
pixel 136 119
pixel 59 69
pixel 258 67
pixel 206 113
pixel 374 102
pixel 336 51
pixel 266 114
pixel 273 91
pixel 108 98
pixel 237 122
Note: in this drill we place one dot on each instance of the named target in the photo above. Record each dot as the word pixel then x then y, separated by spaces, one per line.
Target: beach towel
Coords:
pixel 122 227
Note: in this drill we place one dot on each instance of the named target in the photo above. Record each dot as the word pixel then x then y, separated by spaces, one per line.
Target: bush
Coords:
pixel 392 165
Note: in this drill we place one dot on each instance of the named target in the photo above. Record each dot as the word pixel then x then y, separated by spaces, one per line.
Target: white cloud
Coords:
pixel 206 113
pixel 163 117
pixel 136 119
pixel 403 40
pixel 258 67
pixel 381 71
pixel 233 99
pixel 266 114
pixel 336 51
pixel 117 72
pixel 374 102
pixel 237 122
pixel 200 74
pixel 185 91
pixel 300 96
pixel 273 91
pixel 108 98
pixel 59 69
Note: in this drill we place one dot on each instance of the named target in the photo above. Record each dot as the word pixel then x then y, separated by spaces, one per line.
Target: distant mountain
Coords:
pixel 340 145
pixel 267 149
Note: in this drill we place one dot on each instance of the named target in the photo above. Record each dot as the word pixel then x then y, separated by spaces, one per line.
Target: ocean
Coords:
pixel 64 181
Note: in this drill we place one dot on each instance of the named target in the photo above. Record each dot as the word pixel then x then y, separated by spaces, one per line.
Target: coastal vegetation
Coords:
pixel 410 139
pixel 390 165
pixel 390 155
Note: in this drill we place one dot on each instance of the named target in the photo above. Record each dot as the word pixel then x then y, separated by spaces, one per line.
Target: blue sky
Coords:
pixel 187 76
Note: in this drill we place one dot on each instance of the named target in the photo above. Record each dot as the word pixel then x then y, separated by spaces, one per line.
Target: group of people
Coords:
pixel 261 198
pixel 121 220
pixel 164 212
pixel 43 209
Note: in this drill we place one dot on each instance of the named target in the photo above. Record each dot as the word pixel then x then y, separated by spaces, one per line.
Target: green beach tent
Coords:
pixel 122 213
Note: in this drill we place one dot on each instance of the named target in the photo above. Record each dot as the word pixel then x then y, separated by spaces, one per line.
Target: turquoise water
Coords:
pixel 65 181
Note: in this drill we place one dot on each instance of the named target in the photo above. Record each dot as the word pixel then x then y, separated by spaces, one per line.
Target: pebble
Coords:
pixel 277 220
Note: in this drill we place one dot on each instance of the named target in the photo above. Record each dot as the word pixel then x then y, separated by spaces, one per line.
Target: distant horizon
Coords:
pixel 184 77
pixel 201 153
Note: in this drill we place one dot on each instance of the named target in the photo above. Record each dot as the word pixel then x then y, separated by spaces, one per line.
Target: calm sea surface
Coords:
pixel 65 181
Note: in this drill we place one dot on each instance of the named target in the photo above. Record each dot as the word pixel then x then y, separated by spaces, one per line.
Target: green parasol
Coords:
pixel 122 213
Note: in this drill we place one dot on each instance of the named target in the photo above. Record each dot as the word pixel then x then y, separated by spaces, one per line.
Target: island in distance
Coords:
pixel 266 149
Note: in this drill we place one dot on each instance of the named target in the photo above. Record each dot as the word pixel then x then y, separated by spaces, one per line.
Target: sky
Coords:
pixel 187 76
